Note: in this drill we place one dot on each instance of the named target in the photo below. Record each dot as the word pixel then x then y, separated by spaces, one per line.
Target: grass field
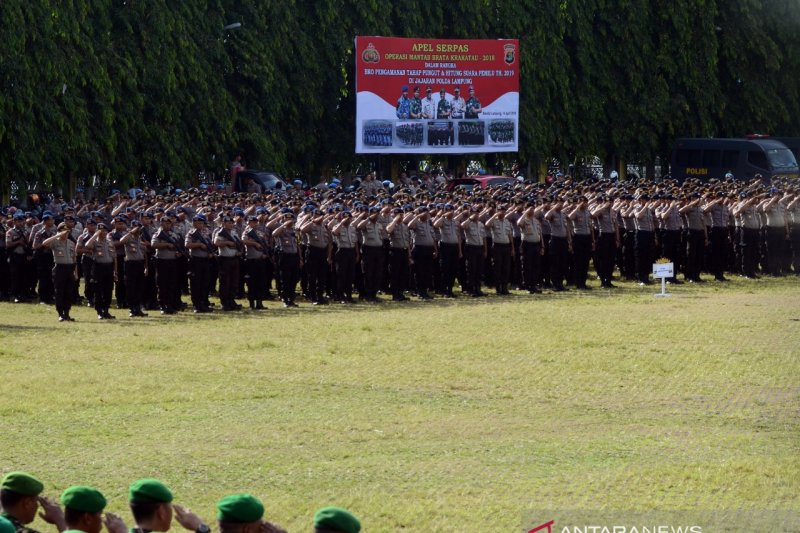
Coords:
pixel 449 416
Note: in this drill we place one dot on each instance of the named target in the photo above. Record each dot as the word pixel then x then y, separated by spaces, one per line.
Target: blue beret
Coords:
pixel 19 216
pixel 286 211
pixel 200 218
pixel 374 209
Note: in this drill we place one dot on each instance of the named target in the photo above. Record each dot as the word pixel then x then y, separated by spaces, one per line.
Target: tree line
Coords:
pixel 131 89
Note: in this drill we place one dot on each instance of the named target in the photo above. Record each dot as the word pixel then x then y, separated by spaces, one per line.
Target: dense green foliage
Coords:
pixel 122 89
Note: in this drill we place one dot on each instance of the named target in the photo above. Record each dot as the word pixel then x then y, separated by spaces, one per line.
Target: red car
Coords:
pixel 481 182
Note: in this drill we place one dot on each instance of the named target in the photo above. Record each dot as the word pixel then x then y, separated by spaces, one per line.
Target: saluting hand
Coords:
pixel 186 518
pixel 114 524
pixel 52 513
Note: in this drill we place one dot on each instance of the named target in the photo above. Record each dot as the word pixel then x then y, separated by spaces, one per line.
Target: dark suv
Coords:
pixel 269 180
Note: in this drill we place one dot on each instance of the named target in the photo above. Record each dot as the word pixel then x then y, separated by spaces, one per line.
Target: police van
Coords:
pixel 707 159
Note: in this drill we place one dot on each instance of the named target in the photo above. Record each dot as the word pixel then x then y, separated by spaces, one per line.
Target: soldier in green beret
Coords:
pixel 243 513
pixel 83 511
pixel 335 520
pixel 151 505
pixel 20 497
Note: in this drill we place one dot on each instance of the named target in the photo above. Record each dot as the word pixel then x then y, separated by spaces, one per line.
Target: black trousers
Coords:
pixel 289 265
pixel 748 243
pixel 121 284
pixel 228 280
pixel 474 266
pixel 448 266
pixel 399 271
pixel 134 283
pixel 776 240
pixel 719 251
pixel 670 248
pixel 345 259
pixel 531 255
pixel 423 268
pixel 644 255
pixel 501 263
pixel 167 284
pixel 44 274
pixel 695 243
pixel 256 278
pixel 605 253
pixel 316 270
pixel 200 277
pixel 103 279
pixel 581 253
pixel 4 275
pixel 18 266
pixel 63 287
pixel 372 259
pixel 558 261
pixel 87 265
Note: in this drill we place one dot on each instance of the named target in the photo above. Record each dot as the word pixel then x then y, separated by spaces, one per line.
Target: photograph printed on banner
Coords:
pixel 409 134
pixel 471 133
pixel 377 133
pixel 441 133
pixel 502 131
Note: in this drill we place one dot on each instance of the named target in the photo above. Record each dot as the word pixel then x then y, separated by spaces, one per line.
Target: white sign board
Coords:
pixel 663 270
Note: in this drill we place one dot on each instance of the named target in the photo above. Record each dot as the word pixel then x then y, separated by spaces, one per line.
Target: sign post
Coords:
pixel 663 271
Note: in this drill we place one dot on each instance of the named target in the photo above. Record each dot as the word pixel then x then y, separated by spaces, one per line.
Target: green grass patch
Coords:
pixel 448 416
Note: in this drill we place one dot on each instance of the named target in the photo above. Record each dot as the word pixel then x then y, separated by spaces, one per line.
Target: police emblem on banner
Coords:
pixel 370 54
pixel 510 54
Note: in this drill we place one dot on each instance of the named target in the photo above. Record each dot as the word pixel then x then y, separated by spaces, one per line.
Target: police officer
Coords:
pixel 135 269
pixel 84 256
pixel 372 253
pixel 44 259
pixel 670 217
pixel 104 270
pixel 318 255
pixel 256 248
pixel 200 250
pixel 167 248
pixel 449 248
pixel 607 242
pixel 502 248
pixel 746 212
pixel 120 230
pixel 532 251
pixel 475 250
pixel 424 251
pixel 289 260
pixel 400 245
pixel 346 255
pixel 777 230
pixel 582 242
pixel 718 211
pixel 229 249
pixel 560 245
pixel 696 239
pixel 65 271
pixel 645 220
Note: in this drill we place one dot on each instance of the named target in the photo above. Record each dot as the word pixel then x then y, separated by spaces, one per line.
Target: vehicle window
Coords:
pixel 757 158
pixel 695 158
pixel 730 158
pixel 781 158
pixel 498 182
pixel 711 158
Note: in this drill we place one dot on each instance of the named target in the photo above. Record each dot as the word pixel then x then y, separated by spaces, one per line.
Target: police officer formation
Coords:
pixel 441 134
pixel 82 509
pixel 410 134
pixel 335 242
pixel 471 133
pixel 378 134
pixel 501 131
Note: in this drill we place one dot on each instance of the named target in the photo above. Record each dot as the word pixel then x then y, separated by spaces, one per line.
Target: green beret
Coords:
pixel 83 499
pixel 6 526
pixel 22 483
pixel 241 508
pixel 149 490
pixel 336 519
